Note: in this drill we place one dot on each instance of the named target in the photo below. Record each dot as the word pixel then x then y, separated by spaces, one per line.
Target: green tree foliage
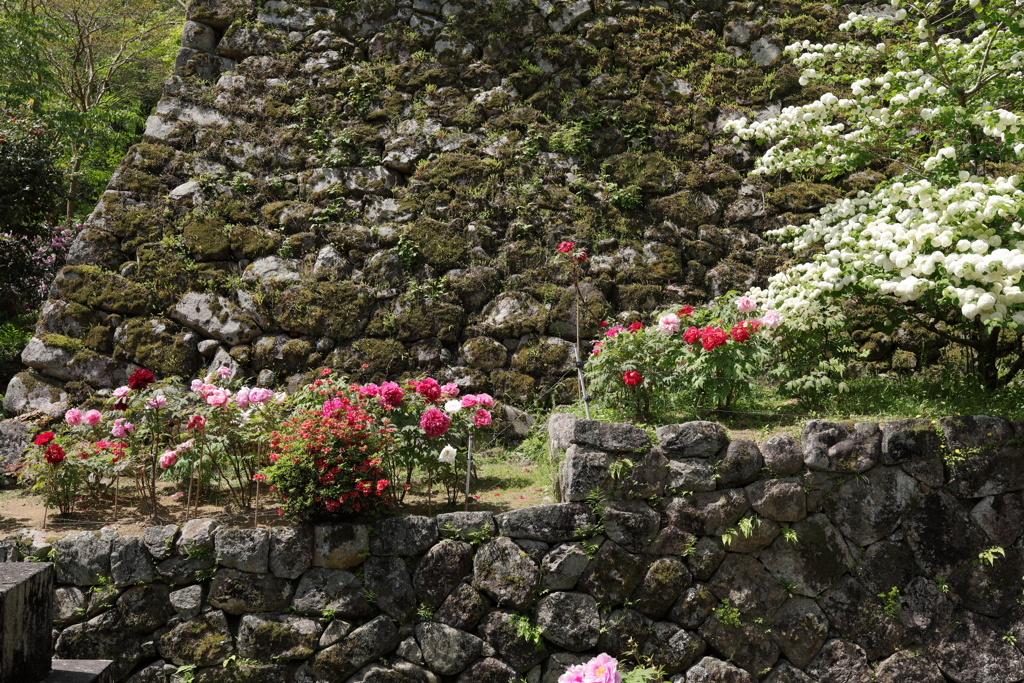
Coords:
pixel 94 67
pixel 31 181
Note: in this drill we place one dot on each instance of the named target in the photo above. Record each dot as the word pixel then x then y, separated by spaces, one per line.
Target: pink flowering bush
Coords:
pixel 605 669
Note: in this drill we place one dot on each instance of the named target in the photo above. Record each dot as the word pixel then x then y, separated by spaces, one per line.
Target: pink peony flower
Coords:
pixel 669 323
pixel 218 398
pixel 450 390
pixel 468 401
pixel 121 392
pixel 242 397
pixel 184 446
pixel 602 669
pixel 158 401
pixel 196 422
pixel 745 304
pixel 197 385
pixel 434 422
pixel 574 674
pixel 225 372
pixel 481 418
pixel 771 319
pixel 429 389
pixel 613 331
pixel 93 417
pixel 73 417
pixel 206 389
pixel 168 459
pixel 121 428
pixel 391 394
pixel 485 400
pixel 260 395
pixel 369 391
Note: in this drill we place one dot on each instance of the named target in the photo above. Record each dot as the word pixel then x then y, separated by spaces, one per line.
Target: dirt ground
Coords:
pixel 502 483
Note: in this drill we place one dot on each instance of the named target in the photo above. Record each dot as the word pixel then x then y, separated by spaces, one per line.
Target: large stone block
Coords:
pixel 26 596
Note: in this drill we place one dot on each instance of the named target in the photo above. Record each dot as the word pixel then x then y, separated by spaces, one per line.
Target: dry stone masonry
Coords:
pixel 378 186
pixel 857 553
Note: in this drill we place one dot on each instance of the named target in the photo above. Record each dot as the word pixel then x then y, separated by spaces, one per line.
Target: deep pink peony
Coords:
pixel 168 459
pixel 469 400
pixel 602 669
pixel 73 417
pixel 260 395
pixel 93 417
pixel 710 337
pixel 434 422
pixel 391 394
pixel 429 389
pixel 631 378
pixel 369 391
pixel 485 400
pixel 481 418
pixel 574 674
pixel 691 336
pixel 450 390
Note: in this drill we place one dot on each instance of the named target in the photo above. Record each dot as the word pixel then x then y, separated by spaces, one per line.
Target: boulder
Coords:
pixel 631 524
pixel 500 630
pixel 339 546
pixel 713 670
pixel 784 672
pixel 569 620
pixel 275 637
pixel 82 558
pixel 870 508
pixel 989 587
pixel 188 601
pixel 740 465
pixel 202 641
pixel 814 562
pixel 1000 517
pixel 886 565
pixel 904 666
pixel 925 611
pixel 857 614
pixel 247 550
pixel 671 648
pixel 370 641
pixel 691 475
pixel 144 608
pixel 665 579
pixel 403 536
pixel 783 454
pixel 291 551
pixel 839 660
pixel 831 447
pixel 389 587
pixel 463 608
pixel 744 643
pixel 447 651
pixel 907 440
pixel 612 574
pixel 215 316
pixel 567 430
pixel 974 651
pixel 693 607
pixel 441 570
pixel 562 566
pixel 486 670
pixel 238 592
pixel 747 585
pixel 30 391
pixel 942 534
pixel 782 500
pixel 160 540
pixel 799 628
pixel 466 526
pixel 551 523
pixel 692 439
pixel 621 630
pixel 704 557
pixel 506 574
pixel 583 471
pixel 337 590
pixel 129 561
pixel 102 637
pixel 720 510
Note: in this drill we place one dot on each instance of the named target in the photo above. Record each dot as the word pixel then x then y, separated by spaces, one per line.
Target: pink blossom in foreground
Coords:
pixel 260 395
pixel 93 417
pixel 450 390
pixel 225 372
pixel 771 320
pixel 485 400
pixel 745 304
pixel 669 323
pixel 481 418
pixel 602 669
pixel 574 674
pixel 369 391
pixel 434 422
pixel 73 417
pixel 158 401
pixel 121 428
pixel 391 394
pixel 121 392
pixel 468 401
pixel 219 398
pixel 168 459
pixel 242 397
pixel 197 384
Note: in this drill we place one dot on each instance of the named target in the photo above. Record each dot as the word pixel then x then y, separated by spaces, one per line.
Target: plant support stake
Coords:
pixel 469 468
pixel 579 374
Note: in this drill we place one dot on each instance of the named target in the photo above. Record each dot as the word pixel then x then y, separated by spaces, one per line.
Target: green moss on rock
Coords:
pixel 384 357
pixel 206 237
pixel 95 288
pixel 59 341
pixel 339 310
pixel 513 387
pixel 159 345
pixel 803 197
pixel 438 245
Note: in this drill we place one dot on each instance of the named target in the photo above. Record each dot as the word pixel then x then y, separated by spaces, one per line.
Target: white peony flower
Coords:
pixel 453 406
pixel 447 455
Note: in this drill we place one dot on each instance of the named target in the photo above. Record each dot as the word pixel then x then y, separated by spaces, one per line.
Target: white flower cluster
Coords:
pixel 964 243
pixel 939 106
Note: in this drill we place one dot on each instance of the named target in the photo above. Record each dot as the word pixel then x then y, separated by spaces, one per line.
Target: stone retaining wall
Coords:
pixel 857 553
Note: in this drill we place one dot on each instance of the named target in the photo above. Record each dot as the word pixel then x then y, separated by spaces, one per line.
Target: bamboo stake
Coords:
pixel 469 467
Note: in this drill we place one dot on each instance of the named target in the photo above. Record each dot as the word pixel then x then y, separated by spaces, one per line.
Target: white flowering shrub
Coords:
pixel 935 91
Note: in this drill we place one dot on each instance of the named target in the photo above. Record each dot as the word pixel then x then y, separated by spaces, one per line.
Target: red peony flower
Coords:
pixel 54 455
pixel 434 422
pixel 739 334
pixel 691 336
pixel 635 326
pixel 565 247
pixel 686 311
pixel 632 378
pixel 579 256
pixel 603 323
pixel 325 372
pixel 140 379
pixel 711 337
pixel 391 394
pixel 429 389
pixel 43 439
pixel 196 422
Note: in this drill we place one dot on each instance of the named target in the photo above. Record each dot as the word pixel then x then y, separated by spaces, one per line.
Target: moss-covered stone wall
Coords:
pixel 378 186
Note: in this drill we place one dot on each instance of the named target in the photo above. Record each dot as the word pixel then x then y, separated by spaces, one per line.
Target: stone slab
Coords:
pixel 26 607
pixel 81 671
